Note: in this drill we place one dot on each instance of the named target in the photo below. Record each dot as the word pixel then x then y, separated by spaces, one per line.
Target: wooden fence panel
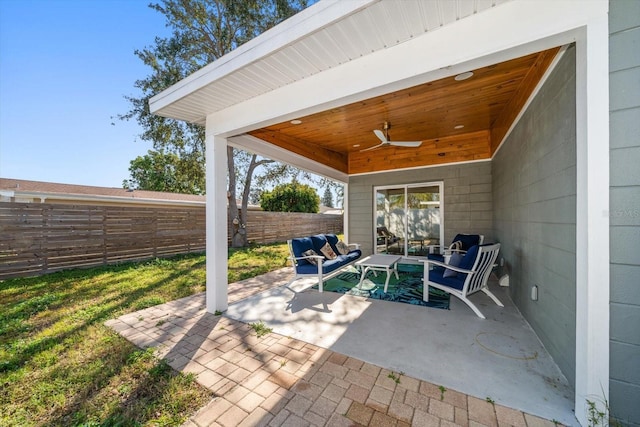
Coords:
pixel 42 238
pixel 39 238
pixel 272 227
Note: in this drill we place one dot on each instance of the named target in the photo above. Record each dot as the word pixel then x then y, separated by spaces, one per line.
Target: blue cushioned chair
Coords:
pixel 461 244
pixel 471 275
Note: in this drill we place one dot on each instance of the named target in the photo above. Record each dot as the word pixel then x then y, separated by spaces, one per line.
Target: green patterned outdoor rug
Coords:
pixel 406 289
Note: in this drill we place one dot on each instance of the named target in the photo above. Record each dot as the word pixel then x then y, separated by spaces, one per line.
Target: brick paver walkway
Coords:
pixel 280 381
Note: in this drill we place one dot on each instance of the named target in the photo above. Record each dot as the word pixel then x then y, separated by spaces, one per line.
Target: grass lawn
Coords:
pixel 59 364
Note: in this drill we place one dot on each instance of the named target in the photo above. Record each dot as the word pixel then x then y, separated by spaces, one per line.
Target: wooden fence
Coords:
pixel 42 238
pixel 39 238
pixel 270 227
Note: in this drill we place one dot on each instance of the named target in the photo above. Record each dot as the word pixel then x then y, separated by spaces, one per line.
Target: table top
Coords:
pixel 379 260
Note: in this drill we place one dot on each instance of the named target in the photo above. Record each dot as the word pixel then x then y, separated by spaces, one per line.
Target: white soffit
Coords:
pixel 254 145
pixel 323 36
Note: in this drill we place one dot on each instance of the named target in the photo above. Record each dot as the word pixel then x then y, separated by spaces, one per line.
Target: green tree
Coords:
pixel 169 172
pixel 292 197
pixel 202 31
pixel 327 197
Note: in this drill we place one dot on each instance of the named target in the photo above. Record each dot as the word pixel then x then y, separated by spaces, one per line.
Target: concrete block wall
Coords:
pixel 467 199
pixel 534 205
pixel 624 208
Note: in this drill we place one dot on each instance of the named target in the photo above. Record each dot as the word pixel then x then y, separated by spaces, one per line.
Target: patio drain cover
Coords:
pixel 504 345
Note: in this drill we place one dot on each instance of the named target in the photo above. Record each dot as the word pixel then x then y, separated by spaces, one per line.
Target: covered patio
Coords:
pixel 518 148
pixel 499 358
pixel 335 360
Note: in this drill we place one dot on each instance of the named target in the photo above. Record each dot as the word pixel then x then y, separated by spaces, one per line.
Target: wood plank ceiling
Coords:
pixel 485 105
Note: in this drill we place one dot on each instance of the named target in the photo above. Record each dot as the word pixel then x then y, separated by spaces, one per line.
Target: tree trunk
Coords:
pixel 237 232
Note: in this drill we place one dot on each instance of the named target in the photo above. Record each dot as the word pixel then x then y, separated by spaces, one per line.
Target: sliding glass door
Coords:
pixel 408 219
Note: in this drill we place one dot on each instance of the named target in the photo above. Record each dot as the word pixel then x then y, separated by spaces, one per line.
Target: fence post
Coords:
pixel 44 249
pixel 104 235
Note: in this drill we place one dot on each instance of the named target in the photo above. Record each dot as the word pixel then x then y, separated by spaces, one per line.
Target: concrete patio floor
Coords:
pixel 332 359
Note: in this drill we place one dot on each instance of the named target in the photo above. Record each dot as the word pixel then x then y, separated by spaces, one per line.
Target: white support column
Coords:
pixel 345 213
pixel 216 169
pixel 592 219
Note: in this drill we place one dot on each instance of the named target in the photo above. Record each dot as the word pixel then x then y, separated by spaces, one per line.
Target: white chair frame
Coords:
pixel 475 281
pixel 448 249
pixel 321 276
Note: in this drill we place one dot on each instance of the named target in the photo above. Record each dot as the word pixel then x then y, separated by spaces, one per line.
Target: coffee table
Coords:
pixel 378 262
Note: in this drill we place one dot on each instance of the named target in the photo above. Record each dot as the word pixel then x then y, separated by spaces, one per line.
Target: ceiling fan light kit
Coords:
pixel 384 138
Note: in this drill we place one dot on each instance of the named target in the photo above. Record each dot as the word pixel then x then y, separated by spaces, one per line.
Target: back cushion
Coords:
pixel 468 240
pixel 301 245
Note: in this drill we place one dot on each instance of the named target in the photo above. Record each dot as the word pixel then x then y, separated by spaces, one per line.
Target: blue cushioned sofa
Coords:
pixel 303 265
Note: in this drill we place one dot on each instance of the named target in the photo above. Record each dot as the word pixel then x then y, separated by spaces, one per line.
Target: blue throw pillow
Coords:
pixel 454 261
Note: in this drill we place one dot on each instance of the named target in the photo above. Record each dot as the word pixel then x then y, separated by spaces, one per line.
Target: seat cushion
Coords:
pixel 351 256
pixel 303 244
pixel 437 275
pixel 435 257
pixel 329 265
pixel 307 268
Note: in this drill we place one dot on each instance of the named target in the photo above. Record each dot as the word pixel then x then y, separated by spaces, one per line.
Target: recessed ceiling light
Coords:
pixel 295 122
pixel 356 145
pixel 458 126
pixel 464 76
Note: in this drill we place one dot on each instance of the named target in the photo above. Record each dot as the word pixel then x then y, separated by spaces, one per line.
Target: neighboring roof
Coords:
pixel 331 211
pixel 25 188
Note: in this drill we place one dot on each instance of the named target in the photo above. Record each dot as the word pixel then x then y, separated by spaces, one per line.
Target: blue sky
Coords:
pixel 65 67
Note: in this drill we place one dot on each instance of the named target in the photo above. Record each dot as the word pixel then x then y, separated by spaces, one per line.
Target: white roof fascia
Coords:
pixel 270 151
pixel 298 26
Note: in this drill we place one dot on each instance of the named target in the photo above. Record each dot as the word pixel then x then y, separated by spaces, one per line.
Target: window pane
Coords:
pixel 390 221
pixel 423 219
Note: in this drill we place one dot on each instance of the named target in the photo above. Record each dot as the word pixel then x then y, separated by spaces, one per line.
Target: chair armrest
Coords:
pixel 320 258
pixel 450 267
pixel 433 248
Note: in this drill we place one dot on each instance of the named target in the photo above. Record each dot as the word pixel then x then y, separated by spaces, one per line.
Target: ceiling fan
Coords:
pixel 384 138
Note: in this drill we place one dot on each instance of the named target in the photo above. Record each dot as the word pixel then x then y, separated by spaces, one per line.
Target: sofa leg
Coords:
pixel 320 277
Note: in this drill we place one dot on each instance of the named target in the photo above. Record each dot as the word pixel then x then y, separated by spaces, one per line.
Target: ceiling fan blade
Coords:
pixel 380 135
pixel 406 143
pixel 375 146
